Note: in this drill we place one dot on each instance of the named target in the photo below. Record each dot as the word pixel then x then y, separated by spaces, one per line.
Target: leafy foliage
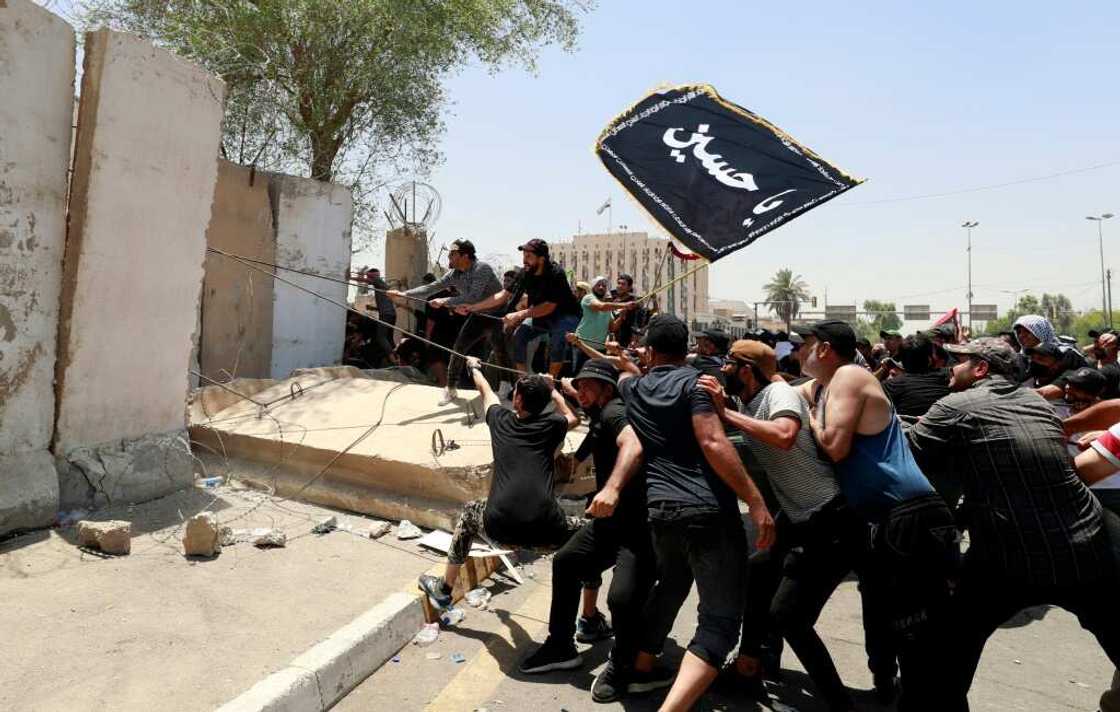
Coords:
pixel 349 91
pixel 784 294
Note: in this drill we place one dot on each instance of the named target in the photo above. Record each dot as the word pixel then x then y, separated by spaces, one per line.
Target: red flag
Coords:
pixel 681 255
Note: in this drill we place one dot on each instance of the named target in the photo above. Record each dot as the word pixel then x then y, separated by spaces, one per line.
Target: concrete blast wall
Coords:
pixel 37 90
pixel 406 256
pixel 144 171
pixel 312 220
pixel 236 336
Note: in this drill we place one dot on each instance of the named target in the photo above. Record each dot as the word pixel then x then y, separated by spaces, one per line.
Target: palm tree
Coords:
pixel 784 294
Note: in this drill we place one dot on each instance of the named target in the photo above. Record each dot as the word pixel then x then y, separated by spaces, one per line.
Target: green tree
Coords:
pixel 881 316
pixel 784 294
pixel 344 90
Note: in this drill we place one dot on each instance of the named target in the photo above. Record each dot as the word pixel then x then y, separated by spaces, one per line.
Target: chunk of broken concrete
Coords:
pixel 408 530
pixel 112 537
pixel 264 538
pixel 379 529
pixel 202 536
pixel 327 525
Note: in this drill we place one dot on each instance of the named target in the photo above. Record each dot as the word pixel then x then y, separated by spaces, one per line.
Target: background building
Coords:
pixel 647 259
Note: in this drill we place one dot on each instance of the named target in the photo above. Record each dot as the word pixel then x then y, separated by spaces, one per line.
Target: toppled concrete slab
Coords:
pixel 111 537
pixel 405 456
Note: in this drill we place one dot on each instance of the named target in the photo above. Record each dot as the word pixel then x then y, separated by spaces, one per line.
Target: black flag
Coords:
pixel 713 174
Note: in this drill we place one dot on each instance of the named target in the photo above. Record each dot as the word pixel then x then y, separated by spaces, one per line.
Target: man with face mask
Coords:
pixel 594 325
pixel 1035 530
pixel 820 539
pixel 914 550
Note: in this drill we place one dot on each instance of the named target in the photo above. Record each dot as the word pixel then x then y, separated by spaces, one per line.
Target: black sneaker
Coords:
pixel 593 629
pixel 610 683
pixel 658 678
pixel 551 656
pixel 437 591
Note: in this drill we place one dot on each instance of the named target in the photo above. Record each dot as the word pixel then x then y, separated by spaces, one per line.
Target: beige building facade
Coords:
pixel 644 258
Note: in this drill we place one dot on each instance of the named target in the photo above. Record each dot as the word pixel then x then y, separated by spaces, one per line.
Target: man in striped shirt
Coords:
pixel 1036 532
pixel 474 281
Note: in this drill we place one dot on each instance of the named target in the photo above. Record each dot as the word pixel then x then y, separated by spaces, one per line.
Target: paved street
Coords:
pixel 1050 664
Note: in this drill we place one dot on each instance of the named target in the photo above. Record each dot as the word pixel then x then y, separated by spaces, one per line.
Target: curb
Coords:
pixel 327 672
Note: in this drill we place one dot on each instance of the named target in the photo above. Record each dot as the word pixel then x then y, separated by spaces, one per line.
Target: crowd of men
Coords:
pixel 960 480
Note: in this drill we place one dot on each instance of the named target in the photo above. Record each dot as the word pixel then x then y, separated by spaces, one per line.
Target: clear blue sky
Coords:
pixel 916 97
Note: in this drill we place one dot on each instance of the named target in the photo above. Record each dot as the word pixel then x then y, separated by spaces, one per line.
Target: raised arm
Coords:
pixel 599 306
pixel 721 455
pixel 628 461
pixel 562 406
pixel 489 398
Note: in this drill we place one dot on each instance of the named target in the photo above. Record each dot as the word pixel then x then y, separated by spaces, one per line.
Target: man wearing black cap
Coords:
pixel 693 476
pixel 1036 533
pixel 920 385
pixel 617 536
pixel 550 303
pixel 712 342
pixel 892 339
pixel 474 281
pixel 914 550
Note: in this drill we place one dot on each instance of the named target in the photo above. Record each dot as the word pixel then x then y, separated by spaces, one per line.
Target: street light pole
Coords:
pixel 1100 240
pixel 968 225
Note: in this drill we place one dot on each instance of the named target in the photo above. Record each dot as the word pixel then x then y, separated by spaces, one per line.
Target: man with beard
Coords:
pixel 914 551
pixel 617 536
pixel 1036 534
pixel 821 539
pixel 625 322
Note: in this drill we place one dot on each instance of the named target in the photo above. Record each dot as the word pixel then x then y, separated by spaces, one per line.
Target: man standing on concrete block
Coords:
pixel 521 509
pixel 474 281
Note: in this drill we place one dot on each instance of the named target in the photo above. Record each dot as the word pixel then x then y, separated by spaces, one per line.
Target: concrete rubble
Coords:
pixel 201 536
pixel 408 530
pixel 379 529
pixel 111 537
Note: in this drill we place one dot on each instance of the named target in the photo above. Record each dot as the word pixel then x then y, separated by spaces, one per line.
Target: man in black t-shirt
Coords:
pixel 521 509
pixel 550 304
pixel 616 536
pixel 920 386
pixel 693 475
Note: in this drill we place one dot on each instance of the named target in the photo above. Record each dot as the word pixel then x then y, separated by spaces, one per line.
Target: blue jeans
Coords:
pixel 557 329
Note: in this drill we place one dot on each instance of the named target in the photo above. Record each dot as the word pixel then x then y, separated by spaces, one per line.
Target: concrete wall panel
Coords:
pixel 237 301
pixel 313 222
pixel 37 90
pixel 144 173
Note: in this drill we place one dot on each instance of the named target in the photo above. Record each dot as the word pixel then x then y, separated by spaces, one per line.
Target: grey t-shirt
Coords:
pixel 802 479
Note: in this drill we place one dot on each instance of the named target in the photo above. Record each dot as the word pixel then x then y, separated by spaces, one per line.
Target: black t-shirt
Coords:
pixel 660 406
pixel 606 424
pixel 914 393
pixel 550 286
pixel 521 509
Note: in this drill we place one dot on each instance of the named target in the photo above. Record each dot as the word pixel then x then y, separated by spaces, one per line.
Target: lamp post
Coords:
pixel 968 225
pixel 1100 240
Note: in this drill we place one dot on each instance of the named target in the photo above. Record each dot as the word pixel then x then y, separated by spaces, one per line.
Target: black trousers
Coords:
pixel 817 556
pixel 710 548
pixel 384 337
pixel 907 577
pixel 476 329
pixel 602 543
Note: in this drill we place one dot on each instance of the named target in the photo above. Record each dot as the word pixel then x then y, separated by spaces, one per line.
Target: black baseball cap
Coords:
pixel 1044 350
pixel 890 334
pixel 838 333
pixel 721 340
pixel 599 369
pixel 667 334
pixel 537 246
pixel 1087 379
pixel 464 246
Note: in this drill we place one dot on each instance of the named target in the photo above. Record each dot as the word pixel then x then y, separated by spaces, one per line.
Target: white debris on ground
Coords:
pixel 408 530
pixel 379 529
pixel 325 526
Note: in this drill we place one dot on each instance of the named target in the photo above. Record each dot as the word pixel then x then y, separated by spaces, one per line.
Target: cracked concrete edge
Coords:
pixel 328 671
